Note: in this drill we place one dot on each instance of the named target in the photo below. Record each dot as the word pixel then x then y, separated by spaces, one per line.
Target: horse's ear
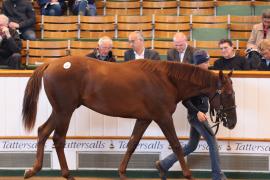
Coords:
pixel 221 75
pixel 230 74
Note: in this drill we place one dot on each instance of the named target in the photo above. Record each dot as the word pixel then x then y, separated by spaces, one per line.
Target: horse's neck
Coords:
pixel 188 89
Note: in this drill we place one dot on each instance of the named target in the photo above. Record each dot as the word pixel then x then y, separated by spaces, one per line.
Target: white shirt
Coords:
pixel 139 56
pixel 181 55
pixel 267 62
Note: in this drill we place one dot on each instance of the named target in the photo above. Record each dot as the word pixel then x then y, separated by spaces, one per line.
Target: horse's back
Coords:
pixel 129 89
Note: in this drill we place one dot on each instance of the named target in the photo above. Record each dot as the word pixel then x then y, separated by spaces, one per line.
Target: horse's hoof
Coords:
pixel 28 173
pixel 123 177
pixel 70 178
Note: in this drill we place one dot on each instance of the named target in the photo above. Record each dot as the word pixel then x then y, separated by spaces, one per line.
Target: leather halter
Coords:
pixel 221 115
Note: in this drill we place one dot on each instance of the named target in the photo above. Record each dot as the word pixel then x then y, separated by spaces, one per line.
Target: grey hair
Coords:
pixel 139 35
pixel 266 13
pixel 104 39
pixel 5 18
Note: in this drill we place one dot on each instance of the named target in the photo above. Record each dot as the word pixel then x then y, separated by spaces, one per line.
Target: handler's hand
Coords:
pixel 201 116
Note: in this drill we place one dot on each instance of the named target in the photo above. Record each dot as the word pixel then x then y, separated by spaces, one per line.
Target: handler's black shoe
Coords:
pixel 162 173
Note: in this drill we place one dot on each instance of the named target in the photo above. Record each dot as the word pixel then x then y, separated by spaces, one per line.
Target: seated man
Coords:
pixel 104 50
pixel 264 48
pixel 52 7
pixel 22 17
pixel 84 7
pixel 182 52
pixel 229 60
pixel 138 51
pixel 10 45
pixel 259 32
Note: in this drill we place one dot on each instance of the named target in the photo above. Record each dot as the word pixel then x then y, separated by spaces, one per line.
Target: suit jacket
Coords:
pixel 263 66
pixel 256 36
pixel 173 55
pixel 148 54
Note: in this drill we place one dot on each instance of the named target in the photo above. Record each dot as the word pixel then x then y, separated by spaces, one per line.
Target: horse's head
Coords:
pixel 223 101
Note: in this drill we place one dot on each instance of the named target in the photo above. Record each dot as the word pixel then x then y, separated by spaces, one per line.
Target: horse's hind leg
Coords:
pixel 44 132
pixel 139 129
pixel 168 129
pixel 59 139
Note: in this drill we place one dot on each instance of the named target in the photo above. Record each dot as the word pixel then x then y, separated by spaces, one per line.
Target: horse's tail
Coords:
pixel 31 95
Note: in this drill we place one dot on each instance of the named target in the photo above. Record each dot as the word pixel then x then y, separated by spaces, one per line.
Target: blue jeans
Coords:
pixel 197 130
pixel 84 9
pixel 52 10
pixel 28 34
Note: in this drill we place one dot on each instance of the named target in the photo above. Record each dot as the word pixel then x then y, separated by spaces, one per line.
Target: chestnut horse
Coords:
pixel 145 90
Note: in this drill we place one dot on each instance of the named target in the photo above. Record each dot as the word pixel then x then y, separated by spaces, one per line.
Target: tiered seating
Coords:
pixel 159 7
pixel 92 27
pixel 211 28
pixel 158 20
pixel 38 52
pixel 162 46
pixel 237 8
pixel 259 6
pixel 59 27
pixel 196 7
pixel 38 26
pixel 100 5
pixel 166 26
pixel 81 47
pixel 241 26
pixel 122 7
pixel 127 24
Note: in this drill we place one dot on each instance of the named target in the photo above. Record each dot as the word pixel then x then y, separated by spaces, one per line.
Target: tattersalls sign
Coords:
pixel 116 145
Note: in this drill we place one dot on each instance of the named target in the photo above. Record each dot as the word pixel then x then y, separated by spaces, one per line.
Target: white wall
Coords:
pixel 252 98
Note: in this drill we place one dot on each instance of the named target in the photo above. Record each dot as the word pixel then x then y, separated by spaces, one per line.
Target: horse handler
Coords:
pixel 197 108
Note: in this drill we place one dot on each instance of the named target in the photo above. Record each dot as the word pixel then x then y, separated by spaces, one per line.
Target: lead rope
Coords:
pixel 216 122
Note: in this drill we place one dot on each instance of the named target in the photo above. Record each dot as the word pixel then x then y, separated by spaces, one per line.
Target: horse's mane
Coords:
pixel 181 71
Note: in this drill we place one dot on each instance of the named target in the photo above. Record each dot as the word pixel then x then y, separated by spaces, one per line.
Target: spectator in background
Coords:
pixel 259 32
pixel 84 8
pixel 104 50
pixel 138 51
pixel 197 108
pixel 21 17
pixel 182 52
pixel 10 45
pixel 264 49
pixel 52 7
pixel 229 60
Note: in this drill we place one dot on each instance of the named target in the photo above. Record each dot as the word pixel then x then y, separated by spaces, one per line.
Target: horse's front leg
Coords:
pixel 139 129
pixel 168 130
pixel 44 132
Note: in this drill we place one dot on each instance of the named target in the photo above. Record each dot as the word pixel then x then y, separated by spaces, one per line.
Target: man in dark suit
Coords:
pixel 182 52
pixel 138 50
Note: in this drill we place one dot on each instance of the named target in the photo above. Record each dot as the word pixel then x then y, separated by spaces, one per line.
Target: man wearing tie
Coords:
pixel 182 52
pixel 264 48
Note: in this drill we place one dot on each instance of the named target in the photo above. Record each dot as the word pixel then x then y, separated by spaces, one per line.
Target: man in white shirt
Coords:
pixel 182 52
pixel 138 51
